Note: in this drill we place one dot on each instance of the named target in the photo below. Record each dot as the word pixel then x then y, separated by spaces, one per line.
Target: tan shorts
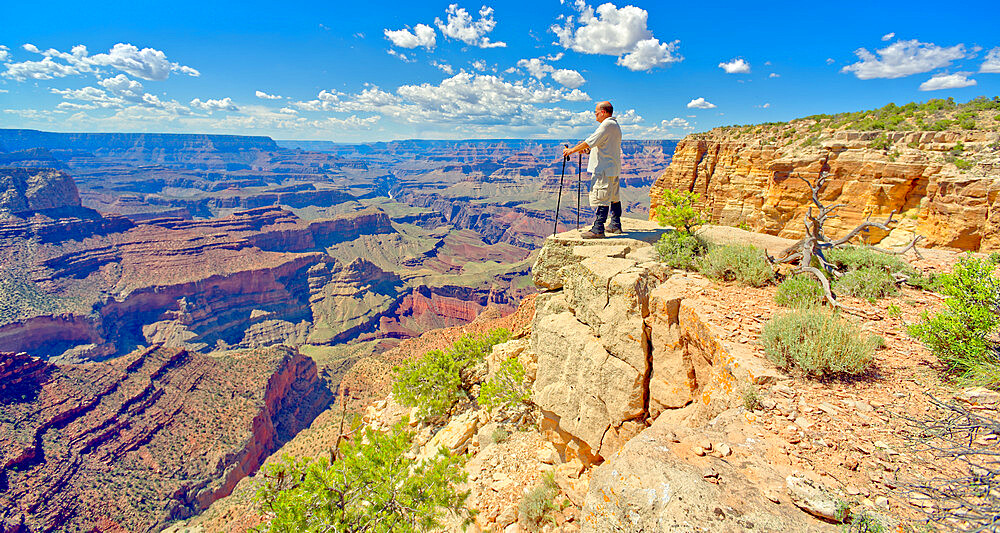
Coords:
pixel 604 191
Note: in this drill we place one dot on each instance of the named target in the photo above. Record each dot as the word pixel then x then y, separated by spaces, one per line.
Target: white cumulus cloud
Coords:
pixel 903 58
pixel 888 36
pixel 264 96
pixel 224 104
pixel 735 66
pixel 618 32
pixel 461 27
pixel 568 78
pixel 422 35
pixel 947 81
pixel 405 58
pixel 700 103
pixel 145 63
pixel 122 86
pixel 992 63
pixel 773 75
pixel 4 53
pixel 443 67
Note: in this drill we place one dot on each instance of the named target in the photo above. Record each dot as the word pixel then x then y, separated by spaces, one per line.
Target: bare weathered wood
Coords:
pixel 808 252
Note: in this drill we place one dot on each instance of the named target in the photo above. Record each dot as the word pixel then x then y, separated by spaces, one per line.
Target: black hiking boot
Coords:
pixel 597 231
pixel 615 225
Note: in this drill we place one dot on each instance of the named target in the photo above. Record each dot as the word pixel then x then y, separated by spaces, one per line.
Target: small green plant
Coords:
pixel 679 211
pixel 372 487
pixel 894 311
pixel 535 506
pixel 817 342
pixel 679 249
pixel 957 149
pixel 433 383
pixel 843 511
pixel 743 225
pixel 742 263
pixel 913 144
pixel 799 291
pixel 963 164
pixel 960 334
pixel 870 283
pixel 893 156
pixel 506 390
pixel 751 398
pixel 499 435
pixel 859 257
pixel 865 521
pixel 881 142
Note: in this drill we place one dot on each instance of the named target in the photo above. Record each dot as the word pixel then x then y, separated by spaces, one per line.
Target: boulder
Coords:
pixel 649 487
pixel 688 361
pixel 579 384
pixel 454 437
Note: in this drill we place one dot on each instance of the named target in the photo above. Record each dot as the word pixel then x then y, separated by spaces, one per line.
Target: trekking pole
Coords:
pixel 555 223
pixel 579 180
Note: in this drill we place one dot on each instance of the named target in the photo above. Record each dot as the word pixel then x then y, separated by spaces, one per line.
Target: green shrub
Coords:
pixel 799 291
pixel 742 263
pixel 679 249
pixel 433 383
pixel 859 257
pixel 678 210
pixel 537 503
pixel 957 149
pixel 371 487
pixel 751 398
pixel 499 435
pixel 818 343
pixel 963 164
pixel 881 142
pixel 506 390
pixel 960 334
pixel 870 283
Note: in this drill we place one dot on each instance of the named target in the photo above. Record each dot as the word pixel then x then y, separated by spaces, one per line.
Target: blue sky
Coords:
pixel 364 71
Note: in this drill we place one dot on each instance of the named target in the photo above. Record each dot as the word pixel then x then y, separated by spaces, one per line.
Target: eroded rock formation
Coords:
pixel 746 178
pixel 150 437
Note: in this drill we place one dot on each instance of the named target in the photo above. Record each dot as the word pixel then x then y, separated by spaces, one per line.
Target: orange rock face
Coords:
pixel 745 179
pixel 143 439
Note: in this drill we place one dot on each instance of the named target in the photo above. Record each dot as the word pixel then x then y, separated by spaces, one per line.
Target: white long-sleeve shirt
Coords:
pixel 605 149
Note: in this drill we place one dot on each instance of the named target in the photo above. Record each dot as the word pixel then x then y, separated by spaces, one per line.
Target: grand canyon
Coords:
pixel 178 310
pixel 159 262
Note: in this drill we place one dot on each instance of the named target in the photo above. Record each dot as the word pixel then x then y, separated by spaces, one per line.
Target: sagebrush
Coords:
pixel 799 291
pixel 742 263
pixel 537 503
pixel 818 342
pixel 679 249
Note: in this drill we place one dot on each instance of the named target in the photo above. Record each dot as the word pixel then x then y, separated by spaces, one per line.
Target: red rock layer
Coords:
pixel 146 438
pixel 743 179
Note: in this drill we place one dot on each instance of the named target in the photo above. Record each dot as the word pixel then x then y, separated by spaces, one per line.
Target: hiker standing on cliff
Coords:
pixel 605 165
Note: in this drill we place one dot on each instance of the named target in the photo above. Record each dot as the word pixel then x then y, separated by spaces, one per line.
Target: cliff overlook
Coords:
pixel 934 164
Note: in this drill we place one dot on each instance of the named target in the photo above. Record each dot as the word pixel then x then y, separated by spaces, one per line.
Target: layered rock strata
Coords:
pixel 747 179
pixel 144 439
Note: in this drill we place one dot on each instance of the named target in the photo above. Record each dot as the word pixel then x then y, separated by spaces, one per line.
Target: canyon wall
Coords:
pixel 170 429
pixel 746 178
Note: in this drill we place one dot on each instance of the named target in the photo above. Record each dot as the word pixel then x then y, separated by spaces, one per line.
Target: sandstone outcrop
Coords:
pixel 173 430
pixel 747 178
pixel 615 345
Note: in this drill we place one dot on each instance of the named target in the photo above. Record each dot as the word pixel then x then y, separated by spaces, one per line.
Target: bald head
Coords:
pixel 606 107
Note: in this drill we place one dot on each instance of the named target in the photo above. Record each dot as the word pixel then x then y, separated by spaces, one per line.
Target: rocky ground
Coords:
pixel 794 459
